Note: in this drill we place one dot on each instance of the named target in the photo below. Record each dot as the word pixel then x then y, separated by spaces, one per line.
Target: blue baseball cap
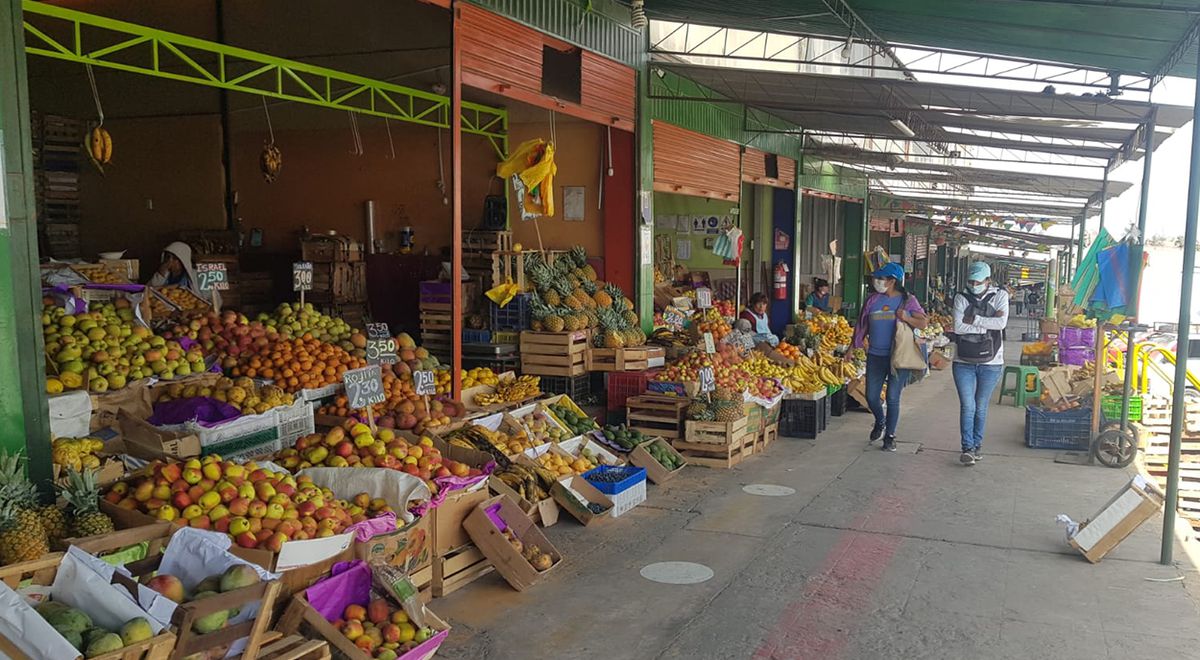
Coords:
pixel 893 270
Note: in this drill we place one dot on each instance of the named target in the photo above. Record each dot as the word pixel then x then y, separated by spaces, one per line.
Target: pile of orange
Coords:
pixel 789 351
pixel 295 364
pixel 712 321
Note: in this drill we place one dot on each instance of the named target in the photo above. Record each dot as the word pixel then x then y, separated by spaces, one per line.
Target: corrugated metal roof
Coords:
pixel 1126 36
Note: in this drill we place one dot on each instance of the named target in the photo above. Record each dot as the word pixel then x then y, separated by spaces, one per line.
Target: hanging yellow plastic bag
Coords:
pixel 503 294
pixel 531 168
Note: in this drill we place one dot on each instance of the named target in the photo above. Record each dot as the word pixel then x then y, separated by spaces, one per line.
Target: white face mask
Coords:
pixel 881 285
pixel 978 288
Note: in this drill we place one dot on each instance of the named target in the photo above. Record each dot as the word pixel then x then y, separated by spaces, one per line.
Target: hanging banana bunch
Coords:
pixel 270 161
pixel 97 142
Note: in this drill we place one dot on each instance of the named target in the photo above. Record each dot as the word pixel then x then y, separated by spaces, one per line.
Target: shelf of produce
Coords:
pixel 625 359
pixel 660 416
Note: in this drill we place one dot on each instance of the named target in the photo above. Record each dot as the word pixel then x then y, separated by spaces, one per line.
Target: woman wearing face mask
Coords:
pixel 888 305
pixel 760 322
pixel 980 316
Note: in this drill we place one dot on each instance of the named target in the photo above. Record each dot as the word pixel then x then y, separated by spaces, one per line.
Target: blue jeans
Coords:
pixel 879 369
pixel 975 384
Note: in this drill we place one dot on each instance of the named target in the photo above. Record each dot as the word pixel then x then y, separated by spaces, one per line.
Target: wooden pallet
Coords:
pixel 458 569
pixel 293 647
pixel 624 359
pixel 714 456
pixel 437 321
pixel 721 434
pixel 660 416
pixel 554 353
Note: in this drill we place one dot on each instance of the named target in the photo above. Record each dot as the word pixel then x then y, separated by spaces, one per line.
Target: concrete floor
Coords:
pixel 876 555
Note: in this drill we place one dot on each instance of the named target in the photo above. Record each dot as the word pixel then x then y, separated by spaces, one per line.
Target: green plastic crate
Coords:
pixel 1111 406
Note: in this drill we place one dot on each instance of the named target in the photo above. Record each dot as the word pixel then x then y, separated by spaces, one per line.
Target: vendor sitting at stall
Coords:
pixel 818 300
pixel 756 314
pixel 178 270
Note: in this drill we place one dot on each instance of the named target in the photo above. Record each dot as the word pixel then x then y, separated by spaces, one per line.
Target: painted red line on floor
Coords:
pixel 820 623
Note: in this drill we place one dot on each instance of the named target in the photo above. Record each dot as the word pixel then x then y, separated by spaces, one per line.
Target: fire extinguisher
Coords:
pixel 781 281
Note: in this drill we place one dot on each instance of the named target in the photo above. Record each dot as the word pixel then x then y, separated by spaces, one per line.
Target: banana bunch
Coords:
pixel 520 389
pixel 481 439
pixel 759 365
pixel 270 162
pixel 76 453
pixel 669 338
pixel 98 145
pixel 528 482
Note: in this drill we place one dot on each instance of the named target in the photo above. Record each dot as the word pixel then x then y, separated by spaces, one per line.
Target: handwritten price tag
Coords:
pixel 212 276
pixel 424 383
pixel 709 346
pixel 703 298
pixel 364 387
pixel 302 276
pixel 707 382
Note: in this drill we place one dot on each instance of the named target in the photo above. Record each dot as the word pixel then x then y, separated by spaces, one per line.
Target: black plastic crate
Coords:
pixel 801 419
pixel 826 411
pixel 837 402
pixel 514 316
pixel 578 388
pixel 1069 430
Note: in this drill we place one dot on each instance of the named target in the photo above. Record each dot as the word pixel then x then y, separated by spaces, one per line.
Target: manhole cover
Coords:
pixel 677 572
pixel 768 490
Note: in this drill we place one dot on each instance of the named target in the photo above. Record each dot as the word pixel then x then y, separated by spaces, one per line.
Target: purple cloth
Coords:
pixel 127 288
pixel 203 410
pixel 860 329
pixel 351 586
pixel 1069 337
pixel 1076 357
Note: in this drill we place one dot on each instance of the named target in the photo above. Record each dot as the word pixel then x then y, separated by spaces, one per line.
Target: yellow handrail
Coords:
pixel 1142 356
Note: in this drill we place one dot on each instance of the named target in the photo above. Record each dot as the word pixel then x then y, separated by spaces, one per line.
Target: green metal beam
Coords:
pixel 24 416
pixel 74 36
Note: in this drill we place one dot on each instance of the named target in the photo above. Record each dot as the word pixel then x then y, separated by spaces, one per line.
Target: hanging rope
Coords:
pixel 95 93
pixel 358 149
pixel 441 183
pixel 388 125
pixel 553 130
pixel 267 112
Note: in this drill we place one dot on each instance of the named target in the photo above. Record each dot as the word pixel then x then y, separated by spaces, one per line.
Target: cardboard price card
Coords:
pixel 212 276
pixel 707 382
pixel 709 346
pixel 302 276
pixel 378 331
pixel 364 387
pixel 381 351
pixel 703 298
pixel 424 383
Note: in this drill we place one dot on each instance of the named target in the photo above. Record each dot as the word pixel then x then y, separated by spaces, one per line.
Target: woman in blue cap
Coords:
pixel 888 305
pixel 980 316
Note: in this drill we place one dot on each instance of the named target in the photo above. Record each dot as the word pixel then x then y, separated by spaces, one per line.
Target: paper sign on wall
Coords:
pixel 683 249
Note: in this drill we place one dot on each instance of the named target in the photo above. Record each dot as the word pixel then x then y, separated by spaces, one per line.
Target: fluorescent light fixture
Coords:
pixel 903 128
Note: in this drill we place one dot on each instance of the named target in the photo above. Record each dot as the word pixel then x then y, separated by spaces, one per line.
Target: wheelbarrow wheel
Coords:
pixel 1115 448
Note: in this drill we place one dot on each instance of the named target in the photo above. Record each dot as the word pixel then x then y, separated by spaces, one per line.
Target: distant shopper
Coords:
pixel 980 316
pixel 760 321
pixel 818 300
pixel 888 305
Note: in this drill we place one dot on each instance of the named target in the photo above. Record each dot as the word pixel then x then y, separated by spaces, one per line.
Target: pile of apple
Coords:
pixel 258 508
pixel 354 445
pixel 381 629
pixel 403 409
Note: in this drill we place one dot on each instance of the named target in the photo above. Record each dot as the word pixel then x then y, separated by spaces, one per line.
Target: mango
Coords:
pixel 69 619
pixel 210 622
pixel 106 643
pixel 239 576
pixel 136 630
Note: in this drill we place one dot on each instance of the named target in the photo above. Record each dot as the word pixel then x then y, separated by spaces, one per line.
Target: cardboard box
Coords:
pixel 143 440
pixel 567 492
pixel 447 519
pixel 544 513
pixel 130 269
pixel 1056 382
pixel 409 548
pixel 655 471
pixel 133 400
pixel 1133 505
pixel 486 524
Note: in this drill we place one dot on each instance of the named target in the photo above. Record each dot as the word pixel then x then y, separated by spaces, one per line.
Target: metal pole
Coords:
pixel 1069 250
pixel 1082 237
pixel 456 205
pixel 1178 410
pixel 1135 264
pixel 1103 199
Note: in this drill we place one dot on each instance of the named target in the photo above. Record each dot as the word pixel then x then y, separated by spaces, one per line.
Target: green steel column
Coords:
pixel 644 214
pixel 1178 407
pixel 24 417
pixel 1082 237
pixel 1135 260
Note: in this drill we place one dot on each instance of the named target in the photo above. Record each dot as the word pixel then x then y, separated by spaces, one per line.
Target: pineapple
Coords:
pixel 631 318
pixel 554 323
pixel 563 287
pixel 578 255
pixel 613 337
pixel 54 521
pixel 726 394
pixel 696 409
pixel 589 287
pixel 584 299
pixel 728 413
pixel 83 496
pixel 22 537
pixel 589 273
pixel 552 298
pixel 572 302
pixel 602 299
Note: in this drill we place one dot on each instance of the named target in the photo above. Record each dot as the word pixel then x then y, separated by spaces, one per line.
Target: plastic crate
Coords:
pixel 576 387
pixel 477 336
pixel 1067 430
pixel 514 316
pixel 620 385
pixel 505 337
pixel 838 402
pixel 800 418
pixel 629 498
pixel 1111 406
pixel 826 412
pixel 1069 337
pixel 1076 356
pixel 628 475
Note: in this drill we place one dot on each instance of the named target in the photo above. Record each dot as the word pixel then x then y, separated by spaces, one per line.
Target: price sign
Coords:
pixel 709 346
pixel 212 276
pixel 424 383
pixel 302 276
pixel 707 382
pixel 364 387
pixel 703 298
pixel 672 318
pixel 381 346
pixel 378 331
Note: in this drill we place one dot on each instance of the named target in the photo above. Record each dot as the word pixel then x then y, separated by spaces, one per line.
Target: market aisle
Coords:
pixel 875 555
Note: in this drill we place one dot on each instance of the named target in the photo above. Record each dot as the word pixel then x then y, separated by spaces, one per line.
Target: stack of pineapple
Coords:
pixel 27 529
pixel 726 406
pixel 567 296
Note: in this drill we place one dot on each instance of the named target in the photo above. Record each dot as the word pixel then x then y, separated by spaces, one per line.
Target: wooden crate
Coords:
pixel 715 456
pixel 770 434
pixel 42 572
pixel 479 240
pixel 623 359
pixel 660 416
pixel 554 353
pixel 293 647
pixel 325 248
pixel 436 321
pixel 457 569
pixel 717 433
pixel 338 282
pixel 509 266
pixel 301 614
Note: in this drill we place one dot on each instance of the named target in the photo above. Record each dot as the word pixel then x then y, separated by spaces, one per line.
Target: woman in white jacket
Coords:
pixel 980 316
pixel 177 269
